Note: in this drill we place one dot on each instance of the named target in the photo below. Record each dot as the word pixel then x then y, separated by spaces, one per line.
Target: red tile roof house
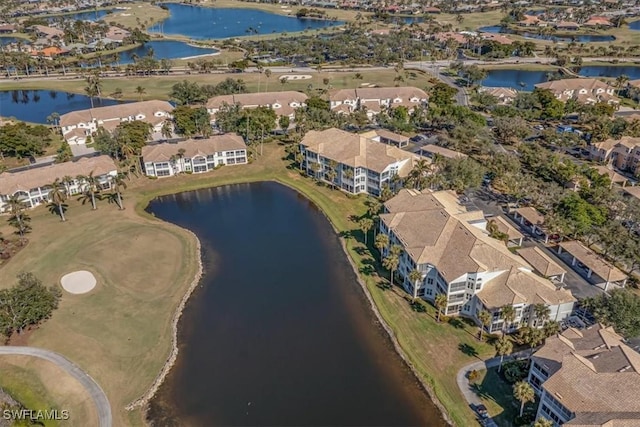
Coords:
pixel 598 21
pixel 529 21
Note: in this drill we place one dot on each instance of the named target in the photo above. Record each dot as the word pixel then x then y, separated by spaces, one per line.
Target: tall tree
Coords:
pixel 504 346
pixel 365 225
pixel 440 302
pixel 415 277
pixel 382 241
pixel 524 393
pixel 485 320
pixel 18 218
pixel 619 308
pixel 508 315
pixel 57 196
pixel 391 262
pixel 90 189
pixel 117 186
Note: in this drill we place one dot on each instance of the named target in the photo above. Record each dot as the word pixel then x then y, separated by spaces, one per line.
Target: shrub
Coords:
pixel 515 371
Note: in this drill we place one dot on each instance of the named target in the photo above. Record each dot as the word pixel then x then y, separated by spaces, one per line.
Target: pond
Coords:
pixel 578 38
pixel 165 49
pixel 87 15
pixel 35 105
pixel 9 40
pixel 201 23
pixel 526 79
pixel 279 332
pixel 635 25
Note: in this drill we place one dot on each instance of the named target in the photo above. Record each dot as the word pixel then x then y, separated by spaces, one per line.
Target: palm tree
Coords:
pixel 523 392
pixel 415 276
pixel 90 189
pixel 117 185
pixel 485 320
pixel 382 241
pixel 365 225
pixel 57 196
pixel 508 314
pixel 441 304
pixel 19 218
pixel 541 312
pixel 167 130
pixel 551 328
pixel 140 91
pixel 391 262
pixel 503 346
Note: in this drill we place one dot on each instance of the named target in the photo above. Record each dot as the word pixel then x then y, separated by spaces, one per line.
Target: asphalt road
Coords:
pixel 99 398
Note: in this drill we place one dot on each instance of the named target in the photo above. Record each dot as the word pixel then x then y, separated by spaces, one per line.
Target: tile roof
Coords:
pixel 531 214
pixel 595 262
pixel 28 179
pixel 355 150
pixel 383 133
pixel 435 229
pixel 193 147
pixel 377 93
pixel 505 227
pixel 285 99
pixel 543 264
pixel 119 111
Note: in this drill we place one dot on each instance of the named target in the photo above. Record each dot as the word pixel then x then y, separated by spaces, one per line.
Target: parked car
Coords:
pixel 482 411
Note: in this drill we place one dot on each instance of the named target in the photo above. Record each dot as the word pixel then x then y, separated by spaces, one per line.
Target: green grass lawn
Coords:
pixel 159 87
pixel 120 332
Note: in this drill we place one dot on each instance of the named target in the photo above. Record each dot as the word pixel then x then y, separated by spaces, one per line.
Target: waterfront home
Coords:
pixel 353 162
pixel 49 33
pixel 598 21
pixel 32 185
pixel 375 100
pixel 452 248
pixel 587 377
pixel 283 103
pixel 116 34
pixel 193 155
pixel 77 126
pixel 387 137
pixel 586 91
pixel 504 95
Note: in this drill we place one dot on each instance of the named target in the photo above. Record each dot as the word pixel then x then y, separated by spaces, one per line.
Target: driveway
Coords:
pixel 99 398
pixel 463 383
pixel 578 285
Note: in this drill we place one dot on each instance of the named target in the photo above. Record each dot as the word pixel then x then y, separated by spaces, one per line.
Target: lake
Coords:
pixel 279 332
pixel 9 40
pixel 35 105
pixel 635 25
pixel 87 15
pixel 514 78
pixel 579 38
pixel 201 23
pixel 165 49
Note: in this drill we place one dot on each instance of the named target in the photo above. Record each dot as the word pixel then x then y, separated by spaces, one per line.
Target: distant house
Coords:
pixel 283 103
pixel 193 155
pixel 504 95
pixel 32 186
pixel 623 153
pixel 529 21
pixel 567 25
pixel 586 91
pixel 387 137
pixel 374 100
pixel 358 164
pixel 8 28
pixel 116 34
pixel 598 21
pixel 78 125
pixel 46 32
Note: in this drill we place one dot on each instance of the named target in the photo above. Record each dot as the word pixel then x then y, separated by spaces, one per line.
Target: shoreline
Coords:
pixel 171 360
pixel 143 400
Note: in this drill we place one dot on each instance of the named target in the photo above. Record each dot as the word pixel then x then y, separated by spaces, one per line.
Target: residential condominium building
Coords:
pixel 193 155
pixel 375 100
pixel 32 186
pixel 78 125
pixel 452 249
pixel 586 91
pixel 358 164
pixel 623 153
pixel 283 103
pixel 587 377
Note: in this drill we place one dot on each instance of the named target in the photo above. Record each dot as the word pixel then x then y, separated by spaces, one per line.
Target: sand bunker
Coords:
pixel 78 282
